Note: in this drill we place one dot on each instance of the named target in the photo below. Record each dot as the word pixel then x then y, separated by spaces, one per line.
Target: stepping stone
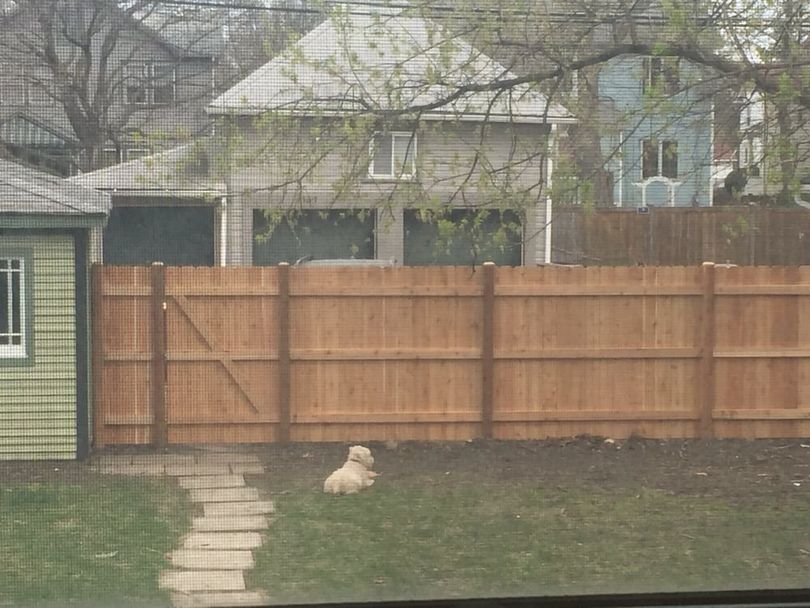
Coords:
pixel 222 540
pixel 224 495
pixel 233 509
pixel 200 559
pixel 217 600
pixel 187 581
pixel 227 458
pixel 186 470
pixel 163 459
pixel 211 481
pixel 132 469
pixel 247 468
pixel 230 524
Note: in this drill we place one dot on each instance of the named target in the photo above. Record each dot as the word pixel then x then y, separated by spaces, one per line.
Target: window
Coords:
pixel 113 156
pixel 318 234
pixel 393 155
pixel 150 83
pixel 661 74
pixel 462 237
pixel 659 158
pixel 13 318
pixel 135 153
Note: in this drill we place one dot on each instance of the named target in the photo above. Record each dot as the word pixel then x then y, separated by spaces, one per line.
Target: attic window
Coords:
pixel 393 155
pixel 661 74
pixel 14 316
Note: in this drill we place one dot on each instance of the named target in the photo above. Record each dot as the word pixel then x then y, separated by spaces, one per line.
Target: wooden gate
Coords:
pixel 189 355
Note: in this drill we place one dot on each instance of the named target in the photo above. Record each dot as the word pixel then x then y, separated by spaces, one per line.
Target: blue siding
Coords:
pixel 632 117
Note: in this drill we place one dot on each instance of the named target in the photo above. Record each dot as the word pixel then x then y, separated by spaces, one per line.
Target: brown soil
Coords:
pixel 730 468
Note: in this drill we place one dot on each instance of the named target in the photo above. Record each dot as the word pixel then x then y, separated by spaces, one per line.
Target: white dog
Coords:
pixel 354 475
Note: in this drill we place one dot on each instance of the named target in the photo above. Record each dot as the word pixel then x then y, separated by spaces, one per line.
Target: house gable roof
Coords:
pixel 352 63
pixel 30 192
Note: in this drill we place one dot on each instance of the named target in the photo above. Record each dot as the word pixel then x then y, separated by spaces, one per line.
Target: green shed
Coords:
pixel 50 233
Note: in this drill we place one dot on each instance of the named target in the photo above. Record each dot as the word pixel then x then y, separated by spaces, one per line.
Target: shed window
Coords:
pixel 13 318
pixel 393 155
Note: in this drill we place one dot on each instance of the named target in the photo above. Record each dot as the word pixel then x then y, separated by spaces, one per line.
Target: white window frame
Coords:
pixel 147 80
pixel 140 152
pixel 412 138
pixel 650 74
pixel 660 168
pixel 16 351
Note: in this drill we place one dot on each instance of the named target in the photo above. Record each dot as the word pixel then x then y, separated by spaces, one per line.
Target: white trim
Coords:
pixel 620 202
pixel 549 182
pixel 127 149
pixel 711 140
pixel 15 351
pixel 483 117
pixel 223 232
pixel 660 157
pixel 147 80
pixel 670 183
pixel 412 145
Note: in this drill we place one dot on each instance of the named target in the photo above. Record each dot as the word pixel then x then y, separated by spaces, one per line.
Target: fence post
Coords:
pixel 707 376
pixel 160 430
pixel 97 344
pixel 283 352
pixel 487 349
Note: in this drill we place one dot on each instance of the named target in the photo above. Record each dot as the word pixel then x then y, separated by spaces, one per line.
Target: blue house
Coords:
pixel 657 127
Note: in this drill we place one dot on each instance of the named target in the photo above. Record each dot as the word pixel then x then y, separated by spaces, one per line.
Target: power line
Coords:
pixel 579 18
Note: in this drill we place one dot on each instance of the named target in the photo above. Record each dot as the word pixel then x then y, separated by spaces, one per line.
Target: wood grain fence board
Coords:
pixel 395 353
pixel 283 348
pixel 707 371
pixel 123 323
pixel 487 349
pixel 158 359
pixel 98 358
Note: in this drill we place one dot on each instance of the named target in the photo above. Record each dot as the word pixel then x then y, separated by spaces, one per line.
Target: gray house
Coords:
pixel 367 138
pixel 148 89
pixel 49 235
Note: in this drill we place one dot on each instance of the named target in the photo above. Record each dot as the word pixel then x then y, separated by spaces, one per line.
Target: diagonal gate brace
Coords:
pixel 227 362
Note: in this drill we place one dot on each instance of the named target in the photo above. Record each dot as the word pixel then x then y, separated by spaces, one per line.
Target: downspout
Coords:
pixel 711 155
pixel 223 231
pixel 549 178
pixel 620 202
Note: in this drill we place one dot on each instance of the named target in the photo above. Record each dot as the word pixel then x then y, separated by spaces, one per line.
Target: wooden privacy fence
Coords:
pixel 265 354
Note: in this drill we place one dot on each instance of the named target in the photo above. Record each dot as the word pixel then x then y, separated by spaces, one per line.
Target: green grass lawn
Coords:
pixel 465 536
pixel 93 541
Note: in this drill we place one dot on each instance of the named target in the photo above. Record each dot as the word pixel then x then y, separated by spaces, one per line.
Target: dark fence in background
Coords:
pixel 743 235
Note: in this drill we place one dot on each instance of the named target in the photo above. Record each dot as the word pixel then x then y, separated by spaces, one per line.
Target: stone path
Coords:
pixel 208 568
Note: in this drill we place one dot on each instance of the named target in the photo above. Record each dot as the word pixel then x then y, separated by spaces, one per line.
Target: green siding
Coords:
pixel 38 402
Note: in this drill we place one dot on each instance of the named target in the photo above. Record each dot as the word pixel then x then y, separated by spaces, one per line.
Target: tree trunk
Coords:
pixel 597 188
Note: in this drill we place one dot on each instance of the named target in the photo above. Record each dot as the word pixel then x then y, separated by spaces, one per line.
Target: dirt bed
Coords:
pixel 727 468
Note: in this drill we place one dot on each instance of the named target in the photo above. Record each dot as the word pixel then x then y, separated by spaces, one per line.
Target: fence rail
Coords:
pixel 274 354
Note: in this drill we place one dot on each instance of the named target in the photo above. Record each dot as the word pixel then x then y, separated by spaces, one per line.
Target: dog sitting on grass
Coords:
pixel 354 475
